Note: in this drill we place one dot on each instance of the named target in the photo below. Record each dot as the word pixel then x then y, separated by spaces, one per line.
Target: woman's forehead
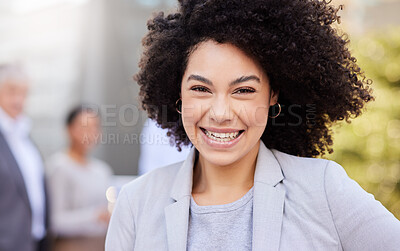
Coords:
pixel 222 60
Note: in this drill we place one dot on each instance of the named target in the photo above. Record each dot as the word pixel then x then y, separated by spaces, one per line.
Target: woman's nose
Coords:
pixel 220 110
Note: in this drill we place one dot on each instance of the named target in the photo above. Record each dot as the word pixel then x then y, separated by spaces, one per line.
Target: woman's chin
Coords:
pixel 219 158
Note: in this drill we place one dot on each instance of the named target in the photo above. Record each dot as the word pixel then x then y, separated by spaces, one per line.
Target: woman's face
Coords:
pixel 85 130
pixel 225 100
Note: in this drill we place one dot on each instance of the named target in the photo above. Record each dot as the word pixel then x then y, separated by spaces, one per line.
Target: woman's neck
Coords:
pixel 77 155
pixel 216 181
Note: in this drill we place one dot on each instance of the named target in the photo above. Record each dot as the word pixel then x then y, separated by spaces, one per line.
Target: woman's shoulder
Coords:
pixel 57 162
pixel 57 158
pixel 322 195
pixel 292 163
pixel 158 181
pixel 309 171
pixel 313 177
pixel 101 166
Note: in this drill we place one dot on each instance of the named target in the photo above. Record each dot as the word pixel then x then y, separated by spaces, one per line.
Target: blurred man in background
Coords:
pixel 23 203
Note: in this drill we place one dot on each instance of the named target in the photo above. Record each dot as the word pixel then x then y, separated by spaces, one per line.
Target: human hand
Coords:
pixel 103 216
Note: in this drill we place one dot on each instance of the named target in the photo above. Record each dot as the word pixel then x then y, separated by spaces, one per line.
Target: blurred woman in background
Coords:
pixel 77 185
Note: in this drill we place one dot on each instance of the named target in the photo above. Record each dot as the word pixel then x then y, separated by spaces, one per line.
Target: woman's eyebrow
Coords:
pixel 234 82
pixel 199 78
pixel 245 79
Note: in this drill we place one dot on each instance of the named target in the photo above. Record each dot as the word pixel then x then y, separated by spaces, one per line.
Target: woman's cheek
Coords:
pixel 260 117
pixel 191 115
pixel 253 115
pixel 189 111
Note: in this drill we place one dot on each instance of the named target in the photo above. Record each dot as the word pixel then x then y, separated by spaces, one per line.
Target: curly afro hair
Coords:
pixel 306 59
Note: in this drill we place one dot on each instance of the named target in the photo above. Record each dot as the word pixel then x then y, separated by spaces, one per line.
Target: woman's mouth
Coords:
pixel 223 138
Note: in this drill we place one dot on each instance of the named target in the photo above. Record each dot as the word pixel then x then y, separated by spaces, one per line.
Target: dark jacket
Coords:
pixel 15 210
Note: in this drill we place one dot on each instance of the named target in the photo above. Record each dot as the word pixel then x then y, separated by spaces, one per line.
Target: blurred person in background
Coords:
pixel 23 200
pixel 77 185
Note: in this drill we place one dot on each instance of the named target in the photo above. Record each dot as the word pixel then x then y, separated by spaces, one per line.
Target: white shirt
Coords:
pixel 77 195
pixel 155 142
pixel 16 132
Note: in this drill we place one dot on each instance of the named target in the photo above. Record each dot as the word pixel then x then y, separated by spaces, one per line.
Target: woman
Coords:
pixel 78 185
pixel 255 87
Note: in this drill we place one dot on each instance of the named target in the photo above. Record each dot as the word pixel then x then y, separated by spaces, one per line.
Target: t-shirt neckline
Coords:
pixel 221 208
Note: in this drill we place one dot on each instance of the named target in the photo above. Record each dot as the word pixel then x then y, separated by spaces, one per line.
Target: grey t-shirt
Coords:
pixel 221 227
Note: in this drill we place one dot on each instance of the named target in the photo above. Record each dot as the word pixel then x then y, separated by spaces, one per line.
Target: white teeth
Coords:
pixel 222 137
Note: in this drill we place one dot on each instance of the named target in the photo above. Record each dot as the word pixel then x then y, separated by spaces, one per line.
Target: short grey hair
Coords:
pixel 15 72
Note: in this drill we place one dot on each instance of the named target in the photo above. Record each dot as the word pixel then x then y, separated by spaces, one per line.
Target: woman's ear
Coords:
pixel 274 97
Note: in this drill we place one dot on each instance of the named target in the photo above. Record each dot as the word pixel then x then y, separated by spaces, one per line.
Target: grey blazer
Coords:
pixel 299 204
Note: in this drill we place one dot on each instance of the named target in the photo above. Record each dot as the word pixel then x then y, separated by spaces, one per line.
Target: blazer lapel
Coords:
pixel 177 213
pixel 177 218
pixel 268 202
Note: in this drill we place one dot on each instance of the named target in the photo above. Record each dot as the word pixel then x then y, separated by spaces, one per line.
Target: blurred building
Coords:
pixel 360 16
pixel 81 51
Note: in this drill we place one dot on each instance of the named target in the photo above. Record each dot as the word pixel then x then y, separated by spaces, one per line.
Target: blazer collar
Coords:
pixel 268 203
pixel 20 126
pixel 177 213
pixel 183 181
pixel 268 171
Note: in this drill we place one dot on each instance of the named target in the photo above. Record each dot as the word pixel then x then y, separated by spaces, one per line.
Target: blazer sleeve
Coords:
pixel 121 230
pixel 362 222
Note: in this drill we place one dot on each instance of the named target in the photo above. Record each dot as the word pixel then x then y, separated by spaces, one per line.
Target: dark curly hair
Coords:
pixel 306 59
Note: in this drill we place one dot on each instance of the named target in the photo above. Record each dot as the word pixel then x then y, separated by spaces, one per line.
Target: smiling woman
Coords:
pixel 212 74
pixel 224 91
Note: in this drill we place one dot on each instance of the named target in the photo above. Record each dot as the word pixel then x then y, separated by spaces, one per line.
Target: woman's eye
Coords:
pixel 200 89
pixel 244 91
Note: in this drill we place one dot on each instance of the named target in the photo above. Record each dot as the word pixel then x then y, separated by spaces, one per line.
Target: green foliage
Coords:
pixel 369 147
